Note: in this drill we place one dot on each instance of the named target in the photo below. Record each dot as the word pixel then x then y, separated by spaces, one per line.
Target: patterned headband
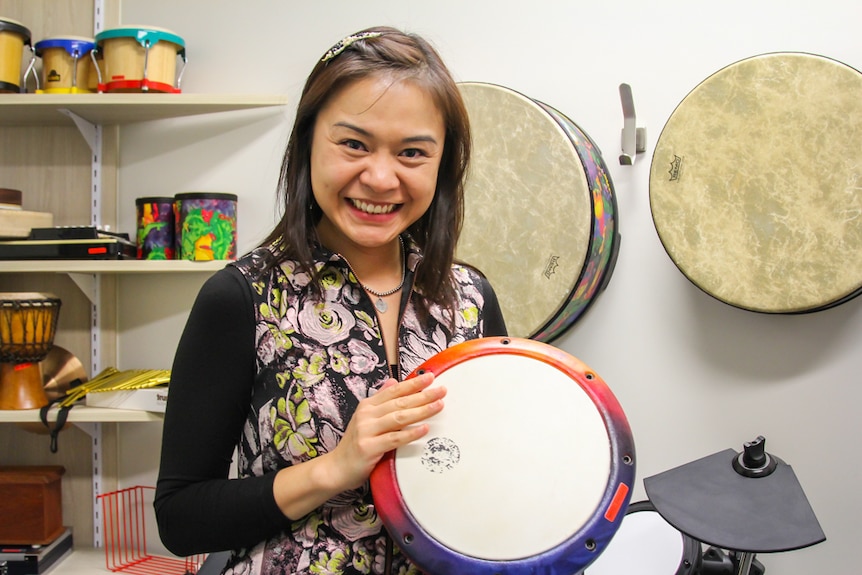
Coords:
pixel 344 44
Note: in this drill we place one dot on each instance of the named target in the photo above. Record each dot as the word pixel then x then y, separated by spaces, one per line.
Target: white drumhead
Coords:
pixel 515 464
pixel 645 544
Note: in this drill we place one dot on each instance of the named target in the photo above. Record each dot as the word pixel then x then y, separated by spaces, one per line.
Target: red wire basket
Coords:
pixel 124 524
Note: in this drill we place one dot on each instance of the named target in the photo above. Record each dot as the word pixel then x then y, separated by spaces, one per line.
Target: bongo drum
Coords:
pixel 755 188
pixel 27 325
pixel 540 211
pixel 13 37
pixel 646 544
pixel 66 64
pixel 140 59
pixel 528 468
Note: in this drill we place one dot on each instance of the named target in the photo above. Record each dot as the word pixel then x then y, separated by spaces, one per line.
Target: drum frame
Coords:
pixel 567 558
pixel 604 243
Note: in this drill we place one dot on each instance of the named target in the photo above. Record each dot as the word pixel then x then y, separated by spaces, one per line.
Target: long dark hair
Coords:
pixel 395 54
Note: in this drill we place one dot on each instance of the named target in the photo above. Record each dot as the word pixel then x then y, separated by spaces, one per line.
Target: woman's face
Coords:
pixel 374 160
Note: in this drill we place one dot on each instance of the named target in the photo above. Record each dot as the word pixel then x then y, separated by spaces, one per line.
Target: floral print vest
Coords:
pixel 316 360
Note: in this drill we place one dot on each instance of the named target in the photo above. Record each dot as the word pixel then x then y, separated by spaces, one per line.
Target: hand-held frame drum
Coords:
pixel 28 322
pixel 528 468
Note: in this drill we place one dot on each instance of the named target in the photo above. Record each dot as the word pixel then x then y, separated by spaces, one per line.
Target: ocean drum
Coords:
pixel 756 188
pixel 646 544
pixel 140 59
pixel 205 226
pixel 66 64
pixel 13 37
pixel 156 228
pixel 528 468
pixel 540 212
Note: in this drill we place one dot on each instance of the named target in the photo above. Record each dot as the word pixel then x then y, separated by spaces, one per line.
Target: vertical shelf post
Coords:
pixel 92 133
pixel 95 332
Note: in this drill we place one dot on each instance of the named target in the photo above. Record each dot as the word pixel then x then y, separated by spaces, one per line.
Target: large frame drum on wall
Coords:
pixel 756 184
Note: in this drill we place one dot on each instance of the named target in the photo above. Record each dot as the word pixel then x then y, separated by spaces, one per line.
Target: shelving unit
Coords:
pixel 63 152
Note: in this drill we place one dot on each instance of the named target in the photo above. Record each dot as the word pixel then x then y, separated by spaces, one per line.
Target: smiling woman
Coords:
pixel 374 161
pixel 294 355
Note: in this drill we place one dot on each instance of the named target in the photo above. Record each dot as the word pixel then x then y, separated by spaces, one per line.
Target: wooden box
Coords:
pixel 31 510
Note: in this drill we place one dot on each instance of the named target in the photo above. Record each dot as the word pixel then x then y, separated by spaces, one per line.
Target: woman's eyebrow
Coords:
pixel 366 133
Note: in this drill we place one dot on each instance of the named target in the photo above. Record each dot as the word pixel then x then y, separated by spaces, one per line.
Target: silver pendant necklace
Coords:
pixel 381 305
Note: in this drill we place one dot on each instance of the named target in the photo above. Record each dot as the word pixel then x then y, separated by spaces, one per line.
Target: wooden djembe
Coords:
pixel 28 322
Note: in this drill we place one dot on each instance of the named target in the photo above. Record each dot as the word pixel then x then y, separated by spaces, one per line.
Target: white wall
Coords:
pixel 694 376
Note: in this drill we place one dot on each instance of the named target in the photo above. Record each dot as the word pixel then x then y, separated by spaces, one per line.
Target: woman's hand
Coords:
pixel 385 421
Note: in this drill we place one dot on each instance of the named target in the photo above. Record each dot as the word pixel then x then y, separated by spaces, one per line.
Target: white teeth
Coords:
pixel 372 208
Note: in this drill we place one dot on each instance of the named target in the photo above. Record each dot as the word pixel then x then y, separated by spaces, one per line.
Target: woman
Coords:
pixel 295 354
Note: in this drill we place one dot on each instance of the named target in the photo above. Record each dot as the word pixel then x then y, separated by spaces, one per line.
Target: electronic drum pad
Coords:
pixel 540 216
pixel 756 184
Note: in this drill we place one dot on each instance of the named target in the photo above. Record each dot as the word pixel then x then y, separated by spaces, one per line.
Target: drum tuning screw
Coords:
pixel 628 459
pixel 408 538
pixel 590 544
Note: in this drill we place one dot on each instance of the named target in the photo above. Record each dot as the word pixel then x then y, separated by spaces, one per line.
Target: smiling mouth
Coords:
pixel 369 208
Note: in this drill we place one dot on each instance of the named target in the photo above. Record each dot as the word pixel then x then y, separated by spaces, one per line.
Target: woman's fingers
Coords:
pixel 392 388
pixel 391 418
pixel 408 393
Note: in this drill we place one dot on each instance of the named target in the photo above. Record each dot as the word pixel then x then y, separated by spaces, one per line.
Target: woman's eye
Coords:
pixel 353 144
pixel 413 153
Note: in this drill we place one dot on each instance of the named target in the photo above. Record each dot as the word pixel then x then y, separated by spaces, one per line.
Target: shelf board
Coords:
pixel 80 414
pixel 110 109
pixel 82 561
pixel 111 266
pixel 91 560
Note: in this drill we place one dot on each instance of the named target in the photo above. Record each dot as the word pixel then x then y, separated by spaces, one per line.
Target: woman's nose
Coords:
pixel 380 173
